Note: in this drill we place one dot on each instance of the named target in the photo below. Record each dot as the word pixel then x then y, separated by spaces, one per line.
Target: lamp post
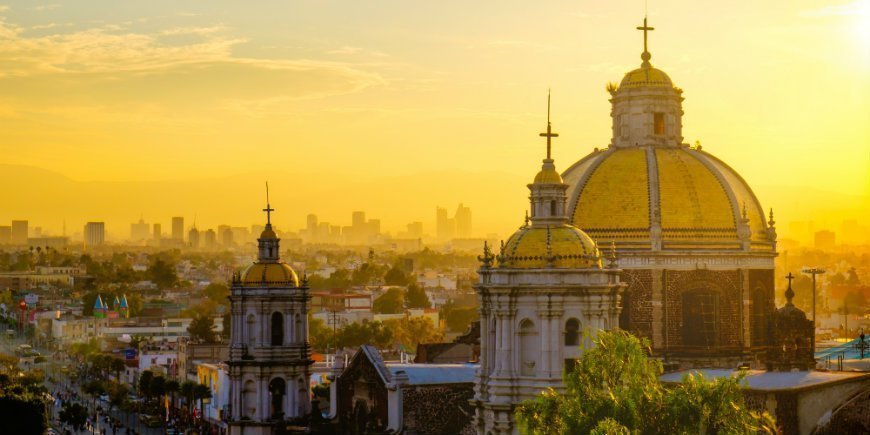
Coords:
pixel 813 271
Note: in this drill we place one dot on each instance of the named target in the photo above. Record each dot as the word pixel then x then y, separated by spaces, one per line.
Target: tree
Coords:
pixel 319 335
pixel 74 415
pixel 171 387
pixel 391 302
pixel 117 365
pixel 201 392
pixel 458 319
pixel 94 389
pixel 357 334
pixel 202 329
pixel 410 332
pixel 417 297
pixel 218 293
pixel 396 276
pixel 615 389
pixel 117 395
pixel 145 384
pixel 188 391
pixel 162 273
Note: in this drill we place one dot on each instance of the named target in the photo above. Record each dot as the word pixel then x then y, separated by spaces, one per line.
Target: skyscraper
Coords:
pixel 445 228
pixel 193 238
pixel 158 232
pixel 95 233
pixel 5 235
pixel 463 222
pixel 178 228
pixel 20 232
pixel 139 231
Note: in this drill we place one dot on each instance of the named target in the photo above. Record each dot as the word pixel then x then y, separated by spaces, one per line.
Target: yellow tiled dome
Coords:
pixel 646 76
pixel 569 247
pixel 617 194
pixel 548 176
pixel 269 274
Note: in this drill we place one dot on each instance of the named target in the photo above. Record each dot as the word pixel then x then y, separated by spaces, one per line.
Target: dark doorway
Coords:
pixel 277 391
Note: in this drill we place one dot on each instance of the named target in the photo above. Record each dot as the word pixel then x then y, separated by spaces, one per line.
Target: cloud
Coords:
pixel 351 51
pixel 49 7
pixel 181 65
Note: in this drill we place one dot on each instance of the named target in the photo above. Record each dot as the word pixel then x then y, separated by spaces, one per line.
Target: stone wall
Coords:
pixel 438 409
pixel 352 419
pixel 637 314
pixel 726 283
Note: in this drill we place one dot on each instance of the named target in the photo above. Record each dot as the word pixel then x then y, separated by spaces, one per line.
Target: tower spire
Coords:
pixel 549 134
pixel 645 56
pixel 268 208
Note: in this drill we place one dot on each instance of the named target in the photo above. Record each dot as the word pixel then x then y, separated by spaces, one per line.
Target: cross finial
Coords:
pixel 268 208
pixel 789 293
pixel 549 134
pixel 645 56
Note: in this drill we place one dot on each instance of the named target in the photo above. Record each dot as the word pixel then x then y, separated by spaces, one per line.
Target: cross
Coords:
pixel 645 28
pixel 268 208
pixel 549 134
pixel 789 277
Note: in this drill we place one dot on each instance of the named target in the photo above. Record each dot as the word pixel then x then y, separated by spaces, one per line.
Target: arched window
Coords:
pixel 300 334
pixel 277 329
pixel 277 391
pixel 760 311
pixel 529 348
pixel 700 318
pixel 251 328
pixel 572 332
pixel 659 124
pixel 552 208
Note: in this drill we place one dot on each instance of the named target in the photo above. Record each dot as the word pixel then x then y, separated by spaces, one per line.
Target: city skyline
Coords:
pixel 473 138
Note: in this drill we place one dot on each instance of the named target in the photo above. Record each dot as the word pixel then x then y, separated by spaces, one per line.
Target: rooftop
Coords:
pixel 772 381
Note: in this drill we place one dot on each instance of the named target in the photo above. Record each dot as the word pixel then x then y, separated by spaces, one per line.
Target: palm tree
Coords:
pixel 171 388
pixel 145 384
pixel 202 392
pixel 117 365
pixel 188 391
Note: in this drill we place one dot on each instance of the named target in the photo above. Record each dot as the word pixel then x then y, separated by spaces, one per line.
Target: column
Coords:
pixel 543 370
pixel 558 344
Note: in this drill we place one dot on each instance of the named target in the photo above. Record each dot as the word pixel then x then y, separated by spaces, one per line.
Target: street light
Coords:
pixel 813 271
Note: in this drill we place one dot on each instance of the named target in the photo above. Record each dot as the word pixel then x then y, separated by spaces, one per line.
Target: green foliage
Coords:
pixel 615 389
pixel 417 297
pixel 391 302
pixel 162 272
pixel 319 334
pixel 74 415
pixel 358 334
pixel 409 332
pixel 396 276
pixel 458 318
pixel 202 329
pixel 145 384
pixel 217 293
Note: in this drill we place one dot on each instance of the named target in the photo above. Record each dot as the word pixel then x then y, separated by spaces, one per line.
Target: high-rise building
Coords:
pixel 20 232
pixel 209 239
pixel 225 232
pixel 445 228
pixel 193 238
pixel 415 230
pixel 311 224
pixel 178 228
pixel 158 232
pixel 463 222
pixel 139 231
pixel 95 233
pixel 358 219
pixel 5 235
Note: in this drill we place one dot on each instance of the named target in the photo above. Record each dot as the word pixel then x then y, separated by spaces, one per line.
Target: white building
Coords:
pixel 543 289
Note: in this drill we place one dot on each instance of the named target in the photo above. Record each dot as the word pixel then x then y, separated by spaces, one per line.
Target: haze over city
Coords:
pixel 116 110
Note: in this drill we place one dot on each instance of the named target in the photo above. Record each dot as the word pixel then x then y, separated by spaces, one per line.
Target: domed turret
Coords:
pixel 269 270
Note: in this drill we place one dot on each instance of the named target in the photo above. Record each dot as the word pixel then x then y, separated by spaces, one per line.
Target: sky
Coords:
pixel 114 109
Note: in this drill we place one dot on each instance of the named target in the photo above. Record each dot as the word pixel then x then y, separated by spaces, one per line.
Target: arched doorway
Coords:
pixel 529 347
pixel 277 391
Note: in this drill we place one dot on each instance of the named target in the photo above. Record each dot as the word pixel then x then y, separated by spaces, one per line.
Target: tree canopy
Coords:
pixel 202 329
pixel 417 297
pixel 615 389
pixel 391 302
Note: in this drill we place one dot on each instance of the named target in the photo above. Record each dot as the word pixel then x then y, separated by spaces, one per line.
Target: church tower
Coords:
pixel 540 293
pixel 269 354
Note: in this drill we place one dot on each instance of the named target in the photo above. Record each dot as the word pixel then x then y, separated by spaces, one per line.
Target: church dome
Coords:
pixel 568 248
pixel 683 197
pixel 646 77
pixel 269 275
pixel 548 175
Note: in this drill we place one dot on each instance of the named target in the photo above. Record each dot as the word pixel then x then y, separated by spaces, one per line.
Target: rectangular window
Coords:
pixel 659 123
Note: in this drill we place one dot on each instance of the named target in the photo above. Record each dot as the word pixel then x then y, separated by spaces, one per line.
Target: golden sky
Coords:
pixel 166 107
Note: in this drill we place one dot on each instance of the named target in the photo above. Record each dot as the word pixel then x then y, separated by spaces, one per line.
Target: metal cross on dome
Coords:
pixel 645 28
pixel 268 208
pixel 549 134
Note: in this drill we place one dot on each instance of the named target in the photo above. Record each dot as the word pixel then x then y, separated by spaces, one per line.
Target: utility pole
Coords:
pixel 813 271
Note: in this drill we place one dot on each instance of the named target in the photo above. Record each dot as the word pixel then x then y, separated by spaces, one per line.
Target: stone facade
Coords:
pixel 269 356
